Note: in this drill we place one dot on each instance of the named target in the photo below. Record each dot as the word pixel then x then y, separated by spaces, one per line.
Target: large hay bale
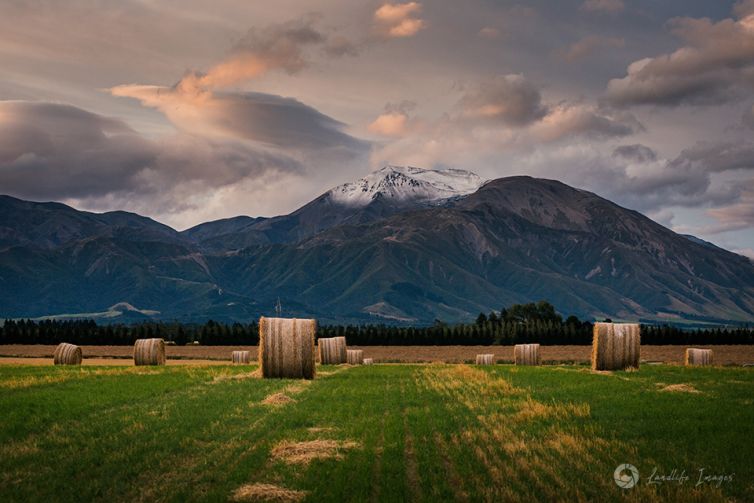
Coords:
pixel 241 357
pixel 696 356
pixel 355 356
pixel 286 347
pixel 67 354
pixel 332 351
pixel 526 354
pixel 149 352
pixel 616 346
pixel 485 359
pixel 368 361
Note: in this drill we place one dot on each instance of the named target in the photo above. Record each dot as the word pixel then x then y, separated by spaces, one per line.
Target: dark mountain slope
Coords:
pixel 515 239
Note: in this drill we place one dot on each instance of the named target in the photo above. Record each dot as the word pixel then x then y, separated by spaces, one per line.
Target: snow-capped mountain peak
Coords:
pixel 407 184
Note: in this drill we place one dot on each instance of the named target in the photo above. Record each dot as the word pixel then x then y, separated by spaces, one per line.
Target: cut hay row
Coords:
pixel 241 357
pixel 616 346
pixel 526 354
pixel 698 357
pixel 355 356
pixel 332 351
pixel 67 354
pixel 149 352
pixel 485 359
pixel 368 361
pixel 286 347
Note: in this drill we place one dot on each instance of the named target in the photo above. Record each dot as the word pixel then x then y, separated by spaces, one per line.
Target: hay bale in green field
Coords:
pixel 149 352
pixel 332 351
pixel 616 346
pixel 355 356
pixel 286 347
pixel 67 354
pixel 698 357
pixel 485 359
pixel 241 357
pixel 526 354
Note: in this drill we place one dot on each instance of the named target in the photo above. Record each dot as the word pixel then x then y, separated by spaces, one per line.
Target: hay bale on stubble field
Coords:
pixel 526 354
pixel 698 357
pixel 332 350
pixel 616 346
pixel 355 356
pixel 67 354
pixel 368 361
pixel 286 347
pixel 149 352
pixel 241 357
pixel 485 359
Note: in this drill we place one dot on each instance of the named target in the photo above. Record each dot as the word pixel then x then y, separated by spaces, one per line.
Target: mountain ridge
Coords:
pixel 515 239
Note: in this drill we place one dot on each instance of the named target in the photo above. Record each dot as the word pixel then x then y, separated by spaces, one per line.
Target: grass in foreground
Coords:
pixel 377 433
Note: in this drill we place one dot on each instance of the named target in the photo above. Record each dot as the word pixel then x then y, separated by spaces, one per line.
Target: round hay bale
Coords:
pixel 286 347
pixel 485 359
pixel 698 357
pixel 332 351
pixel 67 354
pixel 241 357
pixel 149 352
pixel 616 346
pixel 355 356
pixel 526 354
pixel 368 361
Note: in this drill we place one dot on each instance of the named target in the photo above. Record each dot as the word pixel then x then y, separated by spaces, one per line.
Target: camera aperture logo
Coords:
pixel 626 476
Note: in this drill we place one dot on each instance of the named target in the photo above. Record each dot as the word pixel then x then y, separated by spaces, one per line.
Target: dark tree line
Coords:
pixel 523 323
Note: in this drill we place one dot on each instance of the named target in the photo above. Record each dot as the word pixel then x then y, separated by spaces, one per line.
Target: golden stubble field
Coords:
pixel 115 355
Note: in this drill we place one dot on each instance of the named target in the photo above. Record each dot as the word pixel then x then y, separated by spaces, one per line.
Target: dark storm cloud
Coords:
pixel 508 99
pixel 53 151
pixel 282 122
pixel 264 118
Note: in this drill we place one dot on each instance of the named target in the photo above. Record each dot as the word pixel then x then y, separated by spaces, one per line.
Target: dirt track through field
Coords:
pixel 209 355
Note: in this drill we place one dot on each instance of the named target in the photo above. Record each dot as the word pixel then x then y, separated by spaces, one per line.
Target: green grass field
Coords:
pixel 373 433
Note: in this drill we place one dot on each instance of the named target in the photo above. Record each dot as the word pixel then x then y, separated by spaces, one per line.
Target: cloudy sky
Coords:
pixel 188 111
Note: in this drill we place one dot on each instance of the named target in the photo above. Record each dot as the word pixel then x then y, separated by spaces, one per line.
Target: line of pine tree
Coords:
pixel 521 323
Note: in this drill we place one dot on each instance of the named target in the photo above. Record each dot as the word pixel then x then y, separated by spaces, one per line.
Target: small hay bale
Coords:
pixel 698 357
pixel 332 351
pixel 616 346
pixel 485 359
pixel 241 357
pixel 526 354
pixel 368 361
pixel 149 352
pixel 67 354
pixel 286 347
pixel 355 356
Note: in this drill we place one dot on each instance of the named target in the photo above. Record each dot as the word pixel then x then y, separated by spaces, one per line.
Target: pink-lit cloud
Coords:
pixel 398 20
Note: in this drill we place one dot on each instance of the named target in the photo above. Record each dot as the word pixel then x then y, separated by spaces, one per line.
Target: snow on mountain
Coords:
pixel 406 183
